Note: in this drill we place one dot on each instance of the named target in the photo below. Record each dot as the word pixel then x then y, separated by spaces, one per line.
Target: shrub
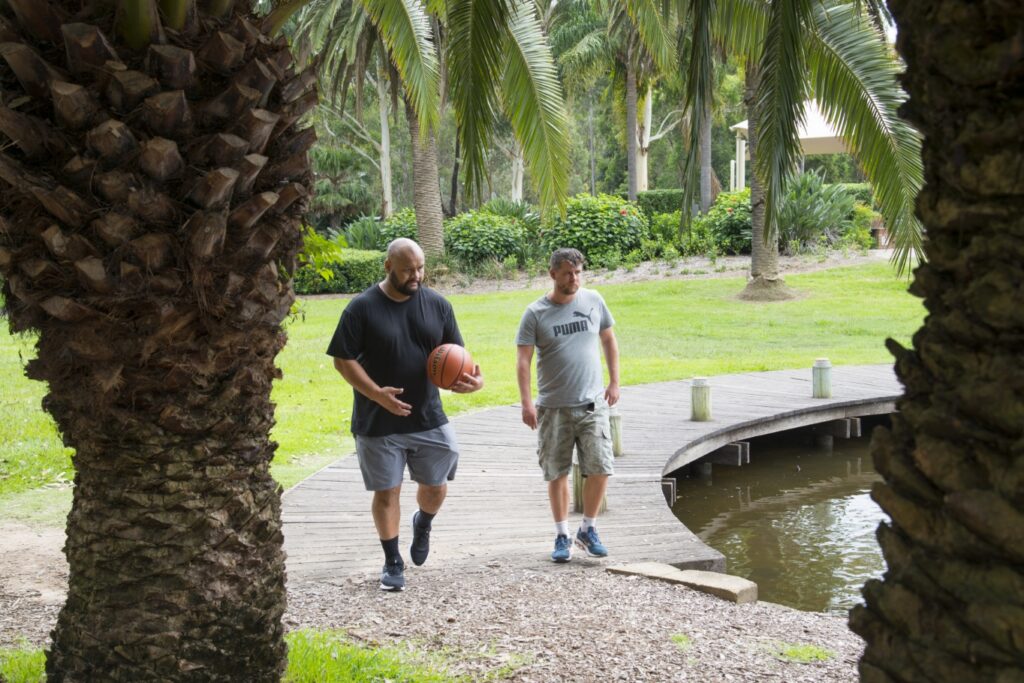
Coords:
pixel 665 226
pixel 861 192
pixel 603 228
pixel 858 234
pixel 728 222
pixel 813 213
pixel 698 240
pixel 474 236
pixel 653 202
pixel 352 271
pixel 363 233
pixel 401 224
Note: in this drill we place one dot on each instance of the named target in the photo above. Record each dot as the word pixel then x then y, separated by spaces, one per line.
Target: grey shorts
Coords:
pixel 432 457
pixel 585 427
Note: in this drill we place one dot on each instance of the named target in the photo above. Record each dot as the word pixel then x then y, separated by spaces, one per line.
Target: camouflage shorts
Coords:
pixel 585 427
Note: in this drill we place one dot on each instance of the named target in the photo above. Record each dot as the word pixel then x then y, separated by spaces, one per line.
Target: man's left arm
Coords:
pixel 611 357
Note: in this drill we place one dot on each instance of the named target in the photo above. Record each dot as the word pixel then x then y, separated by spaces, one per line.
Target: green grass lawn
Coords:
pixel 667 330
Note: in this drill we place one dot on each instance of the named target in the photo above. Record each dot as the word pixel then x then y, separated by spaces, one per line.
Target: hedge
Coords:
pixel 653 202
pixel 357 270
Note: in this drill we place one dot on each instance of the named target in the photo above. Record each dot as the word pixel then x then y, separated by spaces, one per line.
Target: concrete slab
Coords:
pixel 732 588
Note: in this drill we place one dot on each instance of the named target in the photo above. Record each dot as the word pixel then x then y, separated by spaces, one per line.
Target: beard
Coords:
pixel 568 290
pixel 408 288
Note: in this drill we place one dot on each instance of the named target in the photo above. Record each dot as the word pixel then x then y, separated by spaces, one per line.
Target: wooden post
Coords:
pixel 821 375
pixel 577 492
pixel 700 400
pixel 615 420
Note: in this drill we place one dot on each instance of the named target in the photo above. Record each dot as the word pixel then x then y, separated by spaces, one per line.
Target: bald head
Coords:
pixel 403 247
pixel 404 268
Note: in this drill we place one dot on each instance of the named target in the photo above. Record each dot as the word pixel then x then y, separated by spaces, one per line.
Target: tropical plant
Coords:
pixel 795 49
pixel 729 222
pixel 946 608
pixel 154 171
pixel 496 59
pixel 814 213
pixel 363 233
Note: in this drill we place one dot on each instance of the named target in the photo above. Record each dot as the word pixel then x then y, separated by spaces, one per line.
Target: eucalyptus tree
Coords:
pixel 795 49
pixel 950 606
pixel 154 172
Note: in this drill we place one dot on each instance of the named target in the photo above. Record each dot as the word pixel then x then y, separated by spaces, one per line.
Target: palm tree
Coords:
pixel 949 607
pixel 154 172
pixel 828 50
pixel 496 59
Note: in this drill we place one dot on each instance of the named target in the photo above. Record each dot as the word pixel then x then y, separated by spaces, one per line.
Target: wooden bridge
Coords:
pixel 497 507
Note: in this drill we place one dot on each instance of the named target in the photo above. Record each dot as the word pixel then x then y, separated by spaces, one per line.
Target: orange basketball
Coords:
pixel 446 363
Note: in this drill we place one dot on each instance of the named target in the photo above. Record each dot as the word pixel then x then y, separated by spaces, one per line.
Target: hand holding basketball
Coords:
pixel 447 363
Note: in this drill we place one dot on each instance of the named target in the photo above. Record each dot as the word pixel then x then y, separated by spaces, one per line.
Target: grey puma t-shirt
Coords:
pixel 568 347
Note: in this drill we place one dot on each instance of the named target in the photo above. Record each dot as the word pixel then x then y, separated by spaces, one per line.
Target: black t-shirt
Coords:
pixel 392 340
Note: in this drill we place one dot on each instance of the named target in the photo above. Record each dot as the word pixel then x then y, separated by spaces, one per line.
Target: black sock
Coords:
pixel 391 552
pixel 423 519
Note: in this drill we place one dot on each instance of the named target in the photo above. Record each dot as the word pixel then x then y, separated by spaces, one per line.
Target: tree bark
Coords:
pixel 644 141
pixel 950 606
pixel 426 188
pixel 387 205
pixel 518 171
pixel 453 196
pixel 591 144
pixel 765 283
pixel 631 98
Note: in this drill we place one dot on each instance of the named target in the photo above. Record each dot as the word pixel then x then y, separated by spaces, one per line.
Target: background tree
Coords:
pixel 950 605
pixel 154 173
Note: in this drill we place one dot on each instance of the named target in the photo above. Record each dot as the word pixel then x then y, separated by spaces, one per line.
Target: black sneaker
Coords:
pixel 392 577
pixel 420 547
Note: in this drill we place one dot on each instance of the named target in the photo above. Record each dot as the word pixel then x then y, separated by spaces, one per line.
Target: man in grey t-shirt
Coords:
pixel 567 326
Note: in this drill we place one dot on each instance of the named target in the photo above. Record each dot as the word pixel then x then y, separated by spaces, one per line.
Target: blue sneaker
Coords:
pixel 392 577
pixel 420 547
pixel 563 549
pixel 591 542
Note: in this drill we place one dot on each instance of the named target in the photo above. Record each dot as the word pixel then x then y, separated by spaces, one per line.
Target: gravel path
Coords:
pixel 532 620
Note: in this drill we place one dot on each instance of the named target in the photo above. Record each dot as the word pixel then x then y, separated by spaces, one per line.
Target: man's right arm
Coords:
pixel 524 359
pixel 387 397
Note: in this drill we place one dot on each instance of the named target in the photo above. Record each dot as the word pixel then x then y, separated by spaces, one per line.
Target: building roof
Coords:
pixel 817 136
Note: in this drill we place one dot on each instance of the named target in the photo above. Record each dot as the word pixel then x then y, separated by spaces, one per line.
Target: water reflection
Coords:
pixel 797 520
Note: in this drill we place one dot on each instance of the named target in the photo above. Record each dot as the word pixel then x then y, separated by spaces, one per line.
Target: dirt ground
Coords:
pixel 33 571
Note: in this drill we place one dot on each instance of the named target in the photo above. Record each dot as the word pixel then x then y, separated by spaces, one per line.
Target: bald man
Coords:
pixel 380 347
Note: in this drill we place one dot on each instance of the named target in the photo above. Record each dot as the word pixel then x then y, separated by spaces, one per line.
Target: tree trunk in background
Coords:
pixel 518 171
pixel 707 196
pixel 387 206
pixel 426 188
pixel 644 142
pixel 591 145
pixel 631 99
pixel 149 227
pixel 950 606
pixel 454 195
pixel 765 283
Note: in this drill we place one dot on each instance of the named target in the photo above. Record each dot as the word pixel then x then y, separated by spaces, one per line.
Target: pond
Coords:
pixel 798 520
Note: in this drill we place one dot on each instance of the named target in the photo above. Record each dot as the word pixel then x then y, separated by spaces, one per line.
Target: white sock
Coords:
pixel 562 528
pixel 587 523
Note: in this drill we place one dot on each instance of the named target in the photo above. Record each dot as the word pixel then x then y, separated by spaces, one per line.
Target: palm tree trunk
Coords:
pixel 631 98
pixel 765 283
pixel 706 190
pixel 949 607
pixel 426 188
pixel 454 195
pixel 644 144
pixel 387 205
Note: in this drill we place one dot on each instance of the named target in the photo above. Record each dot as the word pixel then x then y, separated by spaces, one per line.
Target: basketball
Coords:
pixel 446 363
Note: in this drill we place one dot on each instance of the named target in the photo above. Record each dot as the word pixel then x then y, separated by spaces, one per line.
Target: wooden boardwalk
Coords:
pixel 497 506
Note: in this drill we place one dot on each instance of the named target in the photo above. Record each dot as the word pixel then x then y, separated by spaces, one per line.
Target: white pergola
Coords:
pixel 817 136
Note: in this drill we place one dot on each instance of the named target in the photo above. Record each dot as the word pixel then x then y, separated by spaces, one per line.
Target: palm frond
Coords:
pixel 740 27
pixel 650 23
pixel 534 105
pixel 779 101
pixel 477 30
pixel 584 61
pixel 855 83
pixel 404 27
